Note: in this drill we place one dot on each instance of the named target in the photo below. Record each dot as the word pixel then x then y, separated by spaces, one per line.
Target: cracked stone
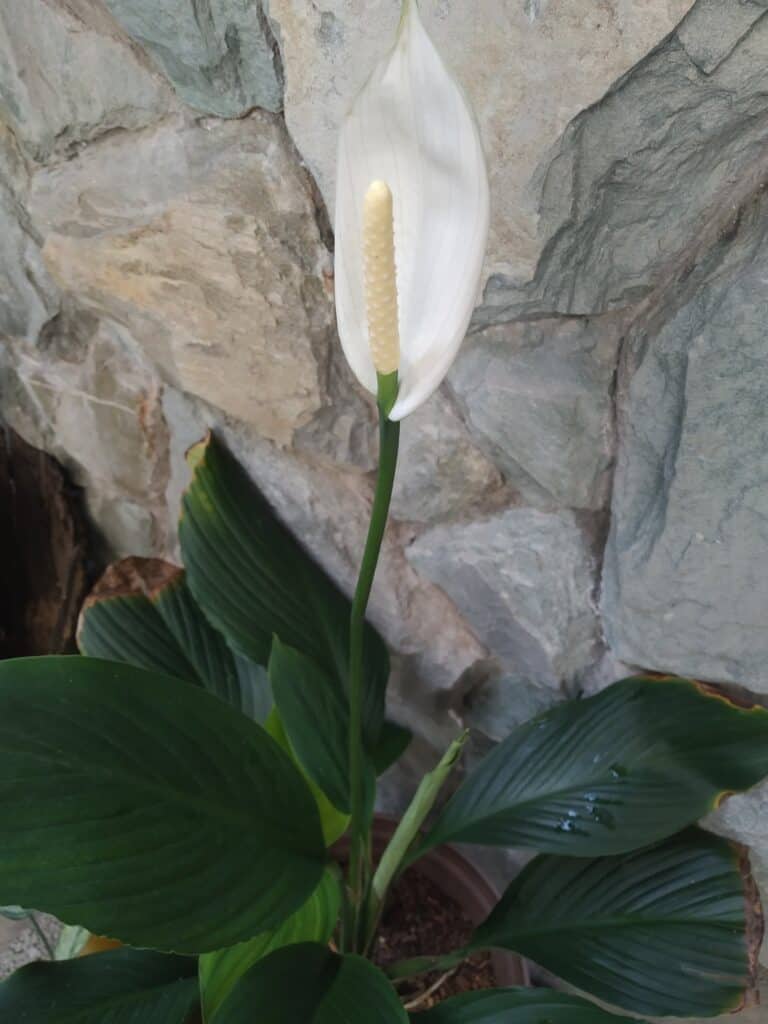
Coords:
pixel 686 577
pixel 220 55
pixel 524 579
pixel 642 178
pixel 68 74
pixel 28 296
pixel 201 238
pixel 537 396
pixel 710 32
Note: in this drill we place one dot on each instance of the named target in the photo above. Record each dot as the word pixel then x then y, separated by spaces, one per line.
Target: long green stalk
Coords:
pixel 359 858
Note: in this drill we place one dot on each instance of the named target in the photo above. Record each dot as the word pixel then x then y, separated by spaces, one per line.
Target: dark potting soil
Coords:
pixel 420 920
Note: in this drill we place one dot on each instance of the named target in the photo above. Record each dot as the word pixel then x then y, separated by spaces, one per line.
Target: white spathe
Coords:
pixel 411 127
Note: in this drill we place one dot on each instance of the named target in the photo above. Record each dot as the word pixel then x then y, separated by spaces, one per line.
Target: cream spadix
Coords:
pixel 380 278
pixel 412 128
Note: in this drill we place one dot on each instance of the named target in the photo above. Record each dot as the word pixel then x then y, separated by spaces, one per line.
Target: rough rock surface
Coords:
pixel 646 176
pixel 165 262
pixel 220 55
pixel 91 400
pixel 441 473
pixel 52 52
pixel 686 582
pixel 537 396
pixel 524 579
pixel 28 297
pixel 201 238
pixel 21 944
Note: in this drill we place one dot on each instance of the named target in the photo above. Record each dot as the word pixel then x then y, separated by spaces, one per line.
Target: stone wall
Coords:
pixel 589 490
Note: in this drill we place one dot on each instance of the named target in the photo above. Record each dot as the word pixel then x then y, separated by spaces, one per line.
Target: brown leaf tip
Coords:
pixel 132 577
pixel 196 452
pixel 734 699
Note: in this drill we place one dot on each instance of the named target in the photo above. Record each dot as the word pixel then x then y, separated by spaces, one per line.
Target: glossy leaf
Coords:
pixel 659 931
pixel 238 680
pixel 638 762
pixel 145 809
pixel 315 715
pixel 142 613
pixel 334 822
pixel 126 986
pixel 309 984
pixel 516 1006
pixel 253 580
pixel 120 623
pixel 314 922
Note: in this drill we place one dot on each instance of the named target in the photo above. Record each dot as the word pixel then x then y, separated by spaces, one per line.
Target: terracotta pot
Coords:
pixel 462 882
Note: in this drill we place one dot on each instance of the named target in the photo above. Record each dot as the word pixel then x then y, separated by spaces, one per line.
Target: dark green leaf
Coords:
pixel 238 680
pixel 517 1006
pixel 334 822
pixel 620 770
pixel 393 742
pixel 143 808
pixel 314 922
pixel 120 623
pixel 660 931
pixel 315 715
pixel 253 580
pixel 124 986
pixel 308 984
pixel 142 613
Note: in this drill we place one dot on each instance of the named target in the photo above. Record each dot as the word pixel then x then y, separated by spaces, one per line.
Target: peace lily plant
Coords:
pixel 181 785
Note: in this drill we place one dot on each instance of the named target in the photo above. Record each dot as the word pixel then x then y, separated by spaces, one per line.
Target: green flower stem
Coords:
pixel 408 829
pixel 359 858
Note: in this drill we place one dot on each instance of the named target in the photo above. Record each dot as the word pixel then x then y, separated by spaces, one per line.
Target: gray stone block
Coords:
pixel 538 397
pixel 637 181
pixel 28 296
pixel 68 75
pixel 524 580
pixel 441 473
pixel 686 579
pixel 220 55
pixel 712 29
